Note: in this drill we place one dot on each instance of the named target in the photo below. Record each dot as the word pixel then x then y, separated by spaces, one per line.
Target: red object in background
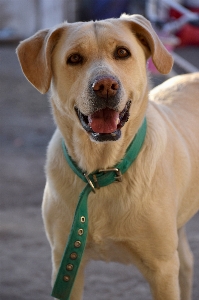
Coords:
pixel 188 34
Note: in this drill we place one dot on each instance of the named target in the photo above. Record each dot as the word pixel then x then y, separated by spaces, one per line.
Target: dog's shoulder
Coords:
pixel 54 157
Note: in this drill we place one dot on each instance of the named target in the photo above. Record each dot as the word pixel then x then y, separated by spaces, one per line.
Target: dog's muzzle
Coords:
pixel 105 121
pixel 104 124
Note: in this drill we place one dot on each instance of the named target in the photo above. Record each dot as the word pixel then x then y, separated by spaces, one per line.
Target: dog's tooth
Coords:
pixel 95 133
pixel 114 133
pixel 118 121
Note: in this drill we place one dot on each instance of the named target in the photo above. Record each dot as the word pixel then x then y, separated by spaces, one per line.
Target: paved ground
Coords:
pixel 26 126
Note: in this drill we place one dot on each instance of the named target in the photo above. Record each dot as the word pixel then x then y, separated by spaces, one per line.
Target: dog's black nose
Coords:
pixel 105 87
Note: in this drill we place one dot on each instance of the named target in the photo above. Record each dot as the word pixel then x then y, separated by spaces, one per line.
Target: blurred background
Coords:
pixel 26 126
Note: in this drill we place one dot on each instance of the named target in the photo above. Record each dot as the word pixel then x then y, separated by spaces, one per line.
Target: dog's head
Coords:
pixel 97 70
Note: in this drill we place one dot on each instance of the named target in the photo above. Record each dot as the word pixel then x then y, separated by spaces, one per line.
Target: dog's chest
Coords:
pixel 112 219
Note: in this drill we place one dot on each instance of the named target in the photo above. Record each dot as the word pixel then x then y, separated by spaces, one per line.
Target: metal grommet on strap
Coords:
pixel 69 267
pixel 66 278
pixel 77 244
pixel 73 255
pixel 83 219
pixel 80 231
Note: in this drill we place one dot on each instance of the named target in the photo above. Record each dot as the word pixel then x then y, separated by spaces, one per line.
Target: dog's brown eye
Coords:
pixel 122 53
pixel 74 59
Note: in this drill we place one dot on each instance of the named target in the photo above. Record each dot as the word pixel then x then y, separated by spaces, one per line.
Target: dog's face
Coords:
pixel 97 71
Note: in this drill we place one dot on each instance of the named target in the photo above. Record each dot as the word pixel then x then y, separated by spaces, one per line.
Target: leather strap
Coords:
pixel 77 239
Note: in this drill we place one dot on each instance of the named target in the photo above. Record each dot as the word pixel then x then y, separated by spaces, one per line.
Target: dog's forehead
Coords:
pixel 101 33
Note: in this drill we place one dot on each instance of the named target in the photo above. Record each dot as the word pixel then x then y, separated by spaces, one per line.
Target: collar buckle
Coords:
pixel 118 177
pixel 89 182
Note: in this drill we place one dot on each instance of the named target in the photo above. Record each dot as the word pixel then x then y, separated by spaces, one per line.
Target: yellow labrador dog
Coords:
pixel 100 97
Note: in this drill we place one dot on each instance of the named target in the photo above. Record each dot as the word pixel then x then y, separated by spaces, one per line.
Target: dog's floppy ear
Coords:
pixel 162 59
pixel 34 55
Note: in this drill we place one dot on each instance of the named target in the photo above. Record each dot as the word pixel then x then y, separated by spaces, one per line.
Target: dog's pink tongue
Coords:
pixel 104 121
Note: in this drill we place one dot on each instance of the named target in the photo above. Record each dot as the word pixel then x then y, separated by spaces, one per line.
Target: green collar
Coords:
pixel 77 239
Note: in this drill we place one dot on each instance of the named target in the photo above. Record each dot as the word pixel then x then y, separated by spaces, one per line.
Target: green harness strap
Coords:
pixel 77 239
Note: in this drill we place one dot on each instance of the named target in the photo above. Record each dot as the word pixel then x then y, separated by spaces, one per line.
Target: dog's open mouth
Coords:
pixel 104 124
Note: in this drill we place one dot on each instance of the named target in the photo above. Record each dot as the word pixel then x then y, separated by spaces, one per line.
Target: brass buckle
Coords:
pixel 118 177
pixel 90 182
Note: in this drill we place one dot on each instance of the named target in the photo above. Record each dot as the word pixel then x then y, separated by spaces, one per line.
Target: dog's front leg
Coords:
pixel 163 279
pixel 55 216
pixel 186 265
pixel 77 290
